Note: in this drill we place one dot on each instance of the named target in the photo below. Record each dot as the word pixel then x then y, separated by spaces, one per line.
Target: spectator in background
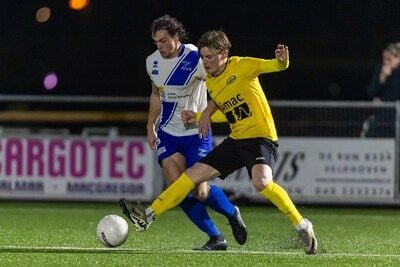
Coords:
pixel 385 82
pixel 384 86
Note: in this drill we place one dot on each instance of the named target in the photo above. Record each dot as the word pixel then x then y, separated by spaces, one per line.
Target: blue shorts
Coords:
pixel 191 147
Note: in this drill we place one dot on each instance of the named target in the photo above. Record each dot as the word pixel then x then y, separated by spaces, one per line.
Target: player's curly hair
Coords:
pixel 215 40
pixel 171 25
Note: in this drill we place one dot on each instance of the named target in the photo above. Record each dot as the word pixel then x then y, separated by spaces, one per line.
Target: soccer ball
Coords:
pixel 112 231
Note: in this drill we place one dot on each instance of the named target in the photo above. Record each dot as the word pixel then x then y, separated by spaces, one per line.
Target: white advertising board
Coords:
pixel 76 168
pixel 327 170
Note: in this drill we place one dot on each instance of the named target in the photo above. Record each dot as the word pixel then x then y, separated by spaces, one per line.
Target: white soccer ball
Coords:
pixel 112 231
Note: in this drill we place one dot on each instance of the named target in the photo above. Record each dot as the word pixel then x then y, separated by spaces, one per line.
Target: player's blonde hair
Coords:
pixel 215 40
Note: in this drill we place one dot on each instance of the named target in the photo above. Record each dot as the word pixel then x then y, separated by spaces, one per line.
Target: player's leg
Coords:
pixel 200 172
pixel 263 182
pixel 210 194
pixel 262 179
pixel 213 195
pixel 175 165
pixel 177 191
pixel 171 197
pixel 215 198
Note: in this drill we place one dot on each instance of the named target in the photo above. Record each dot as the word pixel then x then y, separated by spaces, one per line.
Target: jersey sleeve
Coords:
pixel 148 67
pixel 202 71
pixel 257 66
pixel 218 116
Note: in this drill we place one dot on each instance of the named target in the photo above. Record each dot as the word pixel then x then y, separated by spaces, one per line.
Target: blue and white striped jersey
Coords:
pixel 180 82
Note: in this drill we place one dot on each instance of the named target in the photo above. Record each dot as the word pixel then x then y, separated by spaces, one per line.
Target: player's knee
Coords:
pixel 261 182
pixel 201 193
pixel 200 173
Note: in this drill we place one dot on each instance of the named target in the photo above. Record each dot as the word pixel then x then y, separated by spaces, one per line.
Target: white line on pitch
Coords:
pixel 149 251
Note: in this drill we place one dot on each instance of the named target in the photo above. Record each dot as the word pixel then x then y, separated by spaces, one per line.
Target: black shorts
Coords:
pixel 233 154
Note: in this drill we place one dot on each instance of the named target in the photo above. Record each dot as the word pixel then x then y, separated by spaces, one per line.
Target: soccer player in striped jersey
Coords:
pixel 177 78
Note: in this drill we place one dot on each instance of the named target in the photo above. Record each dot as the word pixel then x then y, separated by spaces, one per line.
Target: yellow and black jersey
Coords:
pixel 238 94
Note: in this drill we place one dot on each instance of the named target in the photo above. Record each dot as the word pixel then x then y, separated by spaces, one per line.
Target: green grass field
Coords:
pixel 63 234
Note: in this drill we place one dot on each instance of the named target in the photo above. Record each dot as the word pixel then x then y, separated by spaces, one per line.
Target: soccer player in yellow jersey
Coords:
pixel 235 91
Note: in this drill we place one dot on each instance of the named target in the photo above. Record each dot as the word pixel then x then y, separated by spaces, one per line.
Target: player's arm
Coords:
pixel 280 62
pixel 257 66
pixel 217 116
pixel 154 114
pixel 204 123
pixel 189 116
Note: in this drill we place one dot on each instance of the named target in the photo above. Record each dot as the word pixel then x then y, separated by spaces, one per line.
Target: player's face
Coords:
pixel 213 63
pixel 167 45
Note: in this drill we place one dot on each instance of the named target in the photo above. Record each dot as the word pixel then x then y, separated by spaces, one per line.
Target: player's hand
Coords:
pixel 188 116
pixel 204 125
pixel 282 53
pixel 152 139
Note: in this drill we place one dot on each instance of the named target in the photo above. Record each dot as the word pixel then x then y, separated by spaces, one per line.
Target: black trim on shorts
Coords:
pixel 233 154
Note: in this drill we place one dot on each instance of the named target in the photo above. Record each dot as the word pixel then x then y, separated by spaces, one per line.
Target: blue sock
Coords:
pixel 218 201
pixel 197 213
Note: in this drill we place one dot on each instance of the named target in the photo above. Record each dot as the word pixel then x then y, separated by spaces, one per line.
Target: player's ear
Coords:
pixel 224 54
pixel 176 38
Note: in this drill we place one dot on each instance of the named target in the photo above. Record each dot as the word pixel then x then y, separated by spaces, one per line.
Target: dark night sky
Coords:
pixel 102 49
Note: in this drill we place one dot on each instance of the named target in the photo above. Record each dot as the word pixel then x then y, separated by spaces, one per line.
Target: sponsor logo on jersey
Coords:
pixel 155 66
pixel 231 80
pixel 230 103
pixel 185 65
pixel 235 109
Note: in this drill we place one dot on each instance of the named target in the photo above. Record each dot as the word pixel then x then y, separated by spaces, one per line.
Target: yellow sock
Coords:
pixel 278 196
pixel 173 195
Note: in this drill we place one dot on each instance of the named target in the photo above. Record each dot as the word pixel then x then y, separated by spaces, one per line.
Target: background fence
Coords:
pixel 361 130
